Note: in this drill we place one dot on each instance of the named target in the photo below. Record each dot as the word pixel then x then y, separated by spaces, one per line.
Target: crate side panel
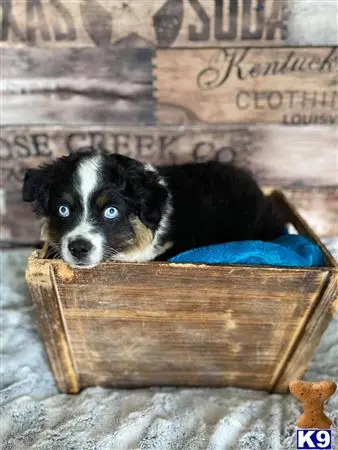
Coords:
pixel 41 283
pixel 311 334
pixel 165 350
pixel 141 324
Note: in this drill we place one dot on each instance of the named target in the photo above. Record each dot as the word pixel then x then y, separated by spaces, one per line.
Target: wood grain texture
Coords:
pixel 87 86
pixel 277 155
pixel 166 324
pixel 293 86
pixel 41 282
pixel 303 344
pixel 308 340
pixel 165 23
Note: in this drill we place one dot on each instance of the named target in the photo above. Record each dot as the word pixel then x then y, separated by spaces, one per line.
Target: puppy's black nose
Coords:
pixel 79 248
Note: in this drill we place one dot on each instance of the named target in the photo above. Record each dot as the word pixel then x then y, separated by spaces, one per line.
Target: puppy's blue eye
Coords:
pixel 111 212
pixel 63 211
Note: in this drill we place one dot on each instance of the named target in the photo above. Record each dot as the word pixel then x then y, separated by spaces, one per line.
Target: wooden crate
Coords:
pixel 126 324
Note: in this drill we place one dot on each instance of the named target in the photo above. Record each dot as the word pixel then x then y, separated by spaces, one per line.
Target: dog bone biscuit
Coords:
pixel 313 396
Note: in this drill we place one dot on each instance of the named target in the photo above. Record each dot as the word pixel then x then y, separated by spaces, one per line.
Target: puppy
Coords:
pixel 97 206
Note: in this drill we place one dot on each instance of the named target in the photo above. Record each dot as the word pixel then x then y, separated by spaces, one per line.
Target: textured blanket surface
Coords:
pixel 34 415
pixel 286 251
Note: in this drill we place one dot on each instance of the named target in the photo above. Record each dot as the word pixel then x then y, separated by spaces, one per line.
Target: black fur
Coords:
pixel 49 179
pixel 215 203
pixel 211 202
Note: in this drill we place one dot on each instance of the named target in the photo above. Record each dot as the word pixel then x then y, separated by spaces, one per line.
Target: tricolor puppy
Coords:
pixel 96 206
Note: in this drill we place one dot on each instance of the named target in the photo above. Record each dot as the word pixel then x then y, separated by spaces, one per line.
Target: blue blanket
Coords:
pixel 286 251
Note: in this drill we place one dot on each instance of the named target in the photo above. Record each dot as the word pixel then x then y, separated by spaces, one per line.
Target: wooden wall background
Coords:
pixel 124 75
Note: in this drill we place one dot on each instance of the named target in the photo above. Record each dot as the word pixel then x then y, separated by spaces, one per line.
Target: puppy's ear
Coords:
pixel 30 184
pixel 36 186
pixel 145 189
pixel 152 199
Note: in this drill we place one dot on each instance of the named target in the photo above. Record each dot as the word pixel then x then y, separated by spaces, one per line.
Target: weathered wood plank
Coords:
pixel 291 86
pixel 71 107
pixel 51 326
pixel 305 345
pixel 125 65
pixel 272 153
pixel 152 330
pixel 177 23
pixel 76 86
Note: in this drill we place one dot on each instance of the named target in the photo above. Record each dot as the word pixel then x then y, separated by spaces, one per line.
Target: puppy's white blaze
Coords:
pixel 88 177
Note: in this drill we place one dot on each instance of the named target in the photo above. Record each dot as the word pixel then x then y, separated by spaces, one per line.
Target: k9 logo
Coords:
pixel 314 439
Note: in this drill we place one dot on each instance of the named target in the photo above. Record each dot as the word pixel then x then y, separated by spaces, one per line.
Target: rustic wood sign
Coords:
pixel 283 85
pixel 177 23
pixel 272 153
pixel 80 85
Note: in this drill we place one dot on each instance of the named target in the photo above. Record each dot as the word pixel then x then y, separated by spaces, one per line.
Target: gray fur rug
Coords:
pixel 35 416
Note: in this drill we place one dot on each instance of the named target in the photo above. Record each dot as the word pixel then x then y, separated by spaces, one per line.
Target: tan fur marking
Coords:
pixel 44 236
pixel 143 237
pixel 167 245
pixel 68 198
pixel 103 200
